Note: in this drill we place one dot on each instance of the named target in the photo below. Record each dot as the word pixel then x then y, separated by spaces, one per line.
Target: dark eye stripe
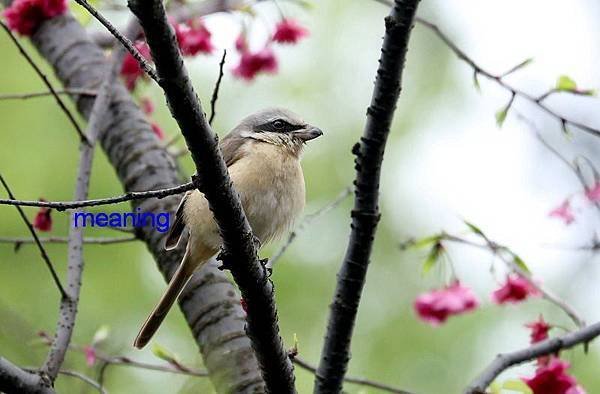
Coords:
pixel 268 127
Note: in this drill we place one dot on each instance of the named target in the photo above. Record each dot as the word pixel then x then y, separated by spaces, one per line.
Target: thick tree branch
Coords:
pixel 240 252
pixel 16 380
pixel 549 346
pixel 365 215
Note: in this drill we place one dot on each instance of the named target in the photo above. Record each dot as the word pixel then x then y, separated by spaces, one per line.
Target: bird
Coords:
pixel 262 155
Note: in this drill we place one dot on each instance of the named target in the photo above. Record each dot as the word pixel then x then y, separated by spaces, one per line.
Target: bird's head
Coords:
pixel 279 127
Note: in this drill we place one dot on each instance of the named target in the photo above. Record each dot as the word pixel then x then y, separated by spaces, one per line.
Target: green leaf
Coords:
pixel 432 258
pixel 476 81
pixel 100 335
pixel 519 66
pixel 419 243
pixel 517 385
pixel 162 352
pixel 474 229
pixel 565 83
pixel 520 263
pixel 501 114
pixel 495 388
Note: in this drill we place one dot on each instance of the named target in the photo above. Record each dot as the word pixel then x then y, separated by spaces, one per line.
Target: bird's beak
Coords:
pixel 308 134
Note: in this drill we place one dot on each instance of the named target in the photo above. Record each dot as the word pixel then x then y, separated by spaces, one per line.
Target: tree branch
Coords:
pixel 24 96
pixel 215 95
pixel 16 380
pixel 365 215
pixel 240 252
pixel 63 240
pixel 549 346
pixel 45 256
pixel 129 196
pixel 69 305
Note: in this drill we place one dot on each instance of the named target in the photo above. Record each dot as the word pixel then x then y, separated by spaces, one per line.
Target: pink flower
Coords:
pixel 158 131
pixel 516 289
pixel 25 16
pixel 241 44
pixel 90 355
pixel 563 212
pixel 244 305
pixel 436 306
pixel 539 330
pixel 593 193
pixel 289 31
pixel 43 220
pixel 131 70
pixel 147 105
pixel 252 64
pixel 193 37
pixel 553 379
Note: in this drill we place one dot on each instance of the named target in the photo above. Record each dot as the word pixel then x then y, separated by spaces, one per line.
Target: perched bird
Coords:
pixel 263 158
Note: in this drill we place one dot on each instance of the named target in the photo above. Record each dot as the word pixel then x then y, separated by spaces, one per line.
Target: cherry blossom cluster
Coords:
pixel 25 16
pixel 565 210
pixel 194 38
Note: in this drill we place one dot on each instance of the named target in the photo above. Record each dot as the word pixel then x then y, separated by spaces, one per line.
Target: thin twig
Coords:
pixel 359 381
pixel 37 241
pixel 24 96
pixel 478 70
pixel 544 348
pixel 39 72
pixel 63 240
pixel 122 39
pixel 309 219
pixel 215 95
pixel 65 205
pixel 75 263
pixel 83 378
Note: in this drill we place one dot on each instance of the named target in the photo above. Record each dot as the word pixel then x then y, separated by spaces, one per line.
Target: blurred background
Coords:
pixel 446 161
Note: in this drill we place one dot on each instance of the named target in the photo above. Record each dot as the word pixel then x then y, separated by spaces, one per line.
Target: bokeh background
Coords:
pixel 446 161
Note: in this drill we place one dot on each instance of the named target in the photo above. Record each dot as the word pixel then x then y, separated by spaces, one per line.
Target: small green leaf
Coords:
pixel 476 81
pixel 474 229
pixel 565 83
pixel 517 385
pixel 495 388
pixel 520 263
pixel 519 66
pixel 100 335
pixel 432 257
pixel 162 352
pixel 501 114
pixel 426 241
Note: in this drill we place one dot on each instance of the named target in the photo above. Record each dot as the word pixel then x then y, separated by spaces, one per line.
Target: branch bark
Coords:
pixel 365 215
pixel 16 380
pixel 209 303
pixel 239 253
pixel 549 346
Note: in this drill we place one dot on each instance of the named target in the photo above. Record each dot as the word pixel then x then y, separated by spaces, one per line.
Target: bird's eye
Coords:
pixel 278 124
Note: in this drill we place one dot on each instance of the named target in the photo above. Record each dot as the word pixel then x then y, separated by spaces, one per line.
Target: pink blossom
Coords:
pixel 241 44
pixel 436 306
pixel 90 355
pixel 193 38
pixel 25 16
pixel 516 289
pixel 563 212
pixel 131 70
pixel 251 64
pixel 289 31
pixel 553 379
pixel 244 305
pixel 593 193
pixel 158 131
pixel 539 330
pixel 43 220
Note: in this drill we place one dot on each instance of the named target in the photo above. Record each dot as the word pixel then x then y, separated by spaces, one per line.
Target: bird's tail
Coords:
pixel 153 322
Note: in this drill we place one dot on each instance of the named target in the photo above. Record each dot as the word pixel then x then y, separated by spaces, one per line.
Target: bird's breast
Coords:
pixel 271 186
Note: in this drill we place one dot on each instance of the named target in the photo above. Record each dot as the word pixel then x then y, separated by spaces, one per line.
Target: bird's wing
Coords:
pixel 231 148
pixel 178 226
